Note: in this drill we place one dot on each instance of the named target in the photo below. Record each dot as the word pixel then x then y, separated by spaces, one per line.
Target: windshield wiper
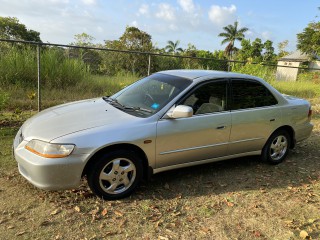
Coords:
pixel 115 103
pixel 138 109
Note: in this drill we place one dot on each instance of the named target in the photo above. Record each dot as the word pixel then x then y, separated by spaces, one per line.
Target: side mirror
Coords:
pixel 180 111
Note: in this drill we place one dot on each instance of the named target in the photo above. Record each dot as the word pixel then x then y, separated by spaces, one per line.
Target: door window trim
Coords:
pixel 248 80
pixel 199 85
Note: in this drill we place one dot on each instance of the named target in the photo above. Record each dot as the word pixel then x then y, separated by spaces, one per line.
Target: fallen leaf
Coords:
pixel 20 233
pixel 108 233
pixel 190 219
pixel 58 237
pixel 205 230
pixel 118 213
pixel 304 234
pixel 45 223
pixel 257 234
pixel 175 214
pixel 104 212
pixel 95 211
pixel 288 221
pixel 163 238
pixel 10 227
pixel 122 223
pixel 77 209
pixel 3 221
pixel 56 211
pixel 312 220
pixel 157 224
pixel 230 204
pixel 93 237
pixel 179 196
pixel 223 184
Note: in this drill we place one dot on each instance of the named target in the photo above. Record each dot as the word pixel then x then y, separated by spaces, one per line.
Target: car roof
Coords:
pixel 195 74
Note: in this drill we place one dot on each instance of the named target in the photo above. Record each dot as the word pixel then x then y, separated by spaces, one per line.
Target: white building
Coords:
pixel 288 66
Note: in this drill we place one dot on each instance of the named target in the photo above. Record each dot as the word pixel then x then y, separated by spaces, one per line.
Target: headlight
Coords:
pixel 49 150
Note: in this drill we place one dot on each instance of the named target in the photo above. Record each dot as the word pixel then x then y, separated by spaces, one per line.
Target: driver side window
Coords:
pixel 208 98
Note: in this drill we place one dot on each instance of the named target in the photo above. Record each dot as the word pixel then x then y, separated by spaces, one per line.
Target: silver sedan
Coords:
pixel 168 120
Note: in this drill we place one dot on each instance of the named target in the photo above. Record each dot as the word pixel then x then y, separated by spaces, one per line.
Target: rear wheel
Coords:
pixel 277 147
pixel 115 175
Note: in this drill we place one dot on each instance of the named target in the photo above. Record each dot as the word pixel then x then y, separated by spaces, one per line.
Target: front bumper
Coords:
pixel 48 173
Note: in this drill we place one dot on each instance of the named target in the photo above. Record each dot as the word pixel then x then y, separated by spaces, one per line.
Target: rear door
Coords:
pixel 255 115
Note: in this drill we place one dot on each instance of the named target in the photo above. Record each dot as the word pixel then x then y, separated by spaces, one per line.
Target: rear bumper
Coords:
pixel 303 131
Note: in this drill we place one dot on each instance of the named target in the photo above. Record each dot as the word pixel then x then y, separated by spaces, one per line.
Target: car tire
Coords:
pixel 277 147
pixel 115 175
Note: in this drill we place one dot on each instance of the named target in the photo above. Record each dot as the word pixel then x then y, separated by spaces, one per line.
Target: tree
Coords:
pixel 231 34
pixel 83 40
pixel 245 52
pixel 269 51
pixel 256 50
pixel 309 39
pixel 282 48
pixel 90 57
pixel 172 47
pixel 11 28
pixel 133 39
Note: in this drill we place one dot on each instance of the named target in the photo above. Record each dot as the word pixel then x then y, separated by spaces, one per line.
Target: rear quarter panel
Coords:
pixel 295 114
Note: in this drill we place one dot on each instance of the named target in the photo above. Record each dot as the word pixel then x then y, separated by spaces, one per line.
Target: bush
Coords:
pixel 309 76
pixel 4 99
pixel 265 72
pixel 19 67
pixel 58 70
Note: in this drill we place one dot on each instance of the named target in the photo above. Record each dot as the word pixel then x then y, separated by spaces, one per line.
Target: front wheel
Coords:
pixel 115 175
pixel 277 147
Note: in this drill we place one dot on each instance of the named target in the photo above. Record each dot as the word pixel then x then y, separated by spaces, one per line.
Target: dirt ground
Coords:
pixel 236 199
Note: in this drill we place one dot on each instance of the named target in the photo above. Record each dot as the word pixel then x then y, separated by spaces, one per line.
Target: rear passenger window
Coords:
pixel 250 94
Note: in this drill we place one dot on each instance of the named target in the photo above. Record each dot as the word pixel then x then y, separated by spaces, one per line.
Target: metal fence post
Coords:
pixel 149 65
pixel 39 77
pixel 229 67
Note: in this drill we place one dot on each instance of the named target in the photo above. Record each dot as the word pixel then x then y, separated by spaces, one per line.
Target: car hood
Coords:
pixel 72 117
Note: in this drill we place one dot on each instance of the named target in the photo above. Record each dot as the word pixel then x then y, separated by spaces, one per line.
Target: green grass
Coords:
pixel 298 89
pixel 307 86
pixel 66 77
pixel 95 86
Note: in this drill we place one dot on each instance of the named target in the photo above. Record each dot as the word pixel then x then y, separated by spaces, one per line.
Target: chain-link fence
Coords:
pixel 38 75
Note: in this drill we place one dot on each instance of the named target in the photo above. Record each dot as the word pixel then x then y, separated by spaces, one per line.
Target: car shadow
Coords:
pixel 301 167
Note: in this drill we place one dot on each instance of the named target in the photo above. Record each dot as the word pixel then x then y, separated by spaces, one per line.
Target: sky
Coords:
pixel 190 21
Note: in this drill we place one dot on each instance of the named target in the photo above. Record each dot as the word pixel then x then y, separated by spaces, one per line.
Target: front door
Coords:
pixel 203 136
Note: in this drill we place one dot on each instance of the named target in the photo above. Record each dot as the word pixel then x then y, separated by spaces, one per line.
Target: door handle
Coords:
pixel 272 120
pixel 221 127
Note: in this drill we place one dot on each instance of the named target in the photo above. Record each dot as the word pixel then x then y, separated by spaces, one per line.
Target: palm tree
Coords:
pixel 231 34
pixel 172 47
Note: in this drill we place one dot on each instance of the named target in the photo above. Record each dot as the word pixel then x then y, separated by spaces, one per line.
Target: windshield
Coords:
pixel 149 95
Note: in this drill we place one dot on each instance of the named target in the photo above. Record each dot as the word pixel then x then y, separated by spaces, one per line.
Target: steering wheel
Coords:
pixel 148 98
